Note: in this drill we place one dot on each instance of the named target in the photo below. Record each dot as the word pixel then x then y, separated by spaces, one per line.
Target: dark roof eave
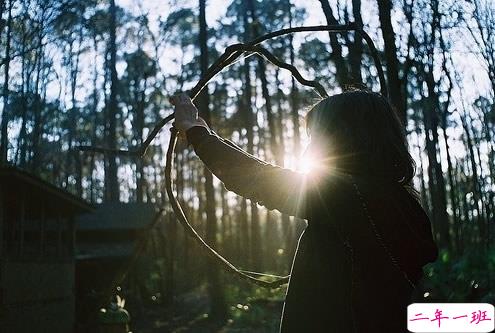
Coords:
pixel 78 203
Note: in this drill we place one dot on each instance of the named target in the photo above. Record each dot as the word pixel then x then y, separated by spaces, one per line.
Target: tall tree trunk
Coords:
pixel 94 115
pixel 422 186
pixel 256 246
pixel 140 105
pixel 341 70
pixel 477 198
pixel 5 93
pixel 71 119
pixel 169 236
pixel 243 235
pixel 430 112
pixel 224 233
pixel 288 225
pixel 391 60
pixel 435 174
pixel 37 107
pixel 443 123
pixel 72 155
pixel 218 306
pixel 356 48
pixel 76 155
pixel 111 180
pixel 2 10
pixel 450 175
pixel 250 121
pixel 20 156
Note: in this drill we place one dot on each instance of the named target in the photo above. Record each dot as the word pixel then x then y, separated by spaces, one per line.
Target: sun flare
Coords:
pixel 307 164
pixel 310 163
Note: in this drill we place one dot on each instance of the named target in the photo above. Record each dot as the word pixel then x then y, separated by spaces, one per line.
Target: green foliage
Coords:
pixel 254 308
pixel 468 278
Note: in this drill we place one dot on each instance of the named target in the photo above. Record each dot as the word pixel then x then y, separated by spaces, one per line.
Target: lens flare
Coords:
pixel 307 164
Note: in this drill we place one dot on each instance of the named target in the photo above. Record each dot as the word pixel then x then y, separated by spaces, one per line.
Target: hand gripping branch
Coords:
pixel 231 54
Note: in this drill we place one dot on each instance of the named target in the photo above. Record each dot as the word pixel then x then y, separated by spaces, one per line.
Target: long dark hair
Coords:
pixel 365 135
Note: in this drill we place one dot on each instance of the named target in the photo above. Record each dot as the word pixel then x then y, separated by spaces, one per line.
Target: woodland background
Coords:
pixel 100 72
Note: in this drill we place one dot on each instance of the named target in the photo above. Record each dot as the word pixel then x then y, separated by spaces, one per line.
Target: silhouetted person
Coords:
pixel 367 237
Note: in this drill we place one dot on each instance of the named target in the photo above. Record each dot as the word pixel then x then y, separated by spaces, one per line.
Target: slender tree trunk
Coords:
pixel 218 307
pixel 435 174
pixel 111 180
pixel 430 112
pixel 5 93
pixel 391 60
pixel 181 163
pixel 225 221
pixel 2 10
pixel 256 246
pixel 248 119
pixel 475 181
pixel 342 72
pixel 75 153
pixel 140 105
pixel 37 107
pixel 94 115
pixel 21 149
pixel 458 228
pixel 424 198
pixel 484 198
pixel 72 155
pixel 452 185
pixel 243 235
pixel 356 48
pixel 289 225
pixel 170 238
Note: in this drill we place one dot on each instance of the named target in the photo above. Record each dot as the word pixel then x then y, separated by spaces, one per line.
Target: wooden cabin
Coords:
pixel 106 241
pixel 37 257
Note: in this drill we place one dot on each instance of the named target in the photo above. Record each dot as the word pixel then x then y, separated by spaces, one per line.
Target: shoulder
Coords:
pixel 331 194
pixel 338 187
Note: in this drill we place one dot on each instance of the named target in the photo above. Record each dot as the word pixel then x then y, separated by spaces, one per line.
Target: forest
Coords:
pixel 99 73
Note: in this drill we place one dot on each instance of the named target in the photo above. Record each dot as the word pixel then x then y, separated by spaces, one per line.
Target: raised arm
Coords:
pixel 267 184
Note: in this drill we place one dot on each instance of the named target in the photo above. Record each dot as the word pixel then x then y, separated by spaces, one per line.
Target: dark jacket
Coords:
pixel 343 278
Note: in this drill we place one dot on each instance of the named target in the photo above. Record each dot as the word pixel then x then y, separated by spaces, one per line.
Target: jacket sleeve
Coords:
pixel 267 184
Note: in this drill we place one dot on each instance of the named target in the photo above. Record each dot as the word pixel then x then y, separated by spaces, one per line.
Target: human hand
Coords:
pixel 186 113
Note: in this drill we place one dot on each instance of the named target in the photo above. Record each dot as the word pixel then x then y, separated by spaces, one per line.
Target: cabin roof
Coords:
pixel 91 250
pixel 38 194
pixel 117 216
pixel 111 231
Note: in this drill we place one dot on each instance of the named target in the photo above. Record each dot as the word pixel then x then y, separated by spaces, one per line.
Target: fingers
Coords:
pixel 172 100
pixel 184 98
pixel 182 135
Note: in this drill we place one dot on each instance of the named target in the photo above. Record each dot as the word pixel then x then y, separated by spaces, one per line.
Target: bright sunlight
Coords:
pixel 307 163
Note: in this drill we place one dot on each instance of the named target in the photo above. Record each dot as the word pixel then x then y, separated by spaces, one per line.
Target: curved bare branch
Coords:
pixel 231 54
